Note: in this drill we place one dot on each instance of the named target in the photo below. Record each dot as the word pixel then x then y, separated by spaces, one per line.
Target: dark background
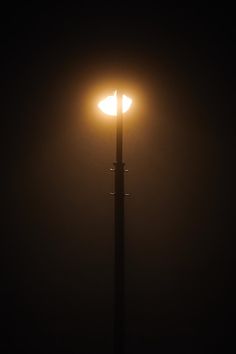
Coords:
pixel 177 63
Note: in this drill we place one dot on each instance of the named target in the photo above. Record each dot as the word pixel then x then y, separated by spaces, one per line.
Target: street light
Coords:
pixel 116 105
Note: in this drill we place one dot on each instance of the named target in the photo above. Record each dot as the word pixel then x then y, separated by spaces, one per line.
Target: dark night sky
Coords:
pixel 57 230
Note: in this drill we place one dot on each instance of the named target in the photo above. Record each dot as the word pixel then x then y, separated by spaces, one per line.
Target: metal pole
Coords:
pixel 119 271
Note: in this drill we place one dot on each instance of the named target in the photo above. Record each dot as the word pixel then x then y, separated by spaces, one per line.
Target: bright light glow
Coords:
pixel 126 103
pixel 109 104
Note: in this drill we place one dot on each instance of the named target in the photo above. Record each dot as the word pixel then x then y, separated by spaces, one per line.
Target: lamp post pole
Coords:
pixel 119 266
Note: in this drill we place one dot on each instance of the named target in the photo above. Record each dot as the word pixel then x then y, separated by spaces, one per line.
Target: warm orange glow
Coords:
pixel 109 104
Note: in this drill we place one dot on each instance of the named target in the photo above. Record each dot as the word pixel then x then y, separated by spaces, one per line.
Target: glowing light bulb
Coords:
pixel 109 104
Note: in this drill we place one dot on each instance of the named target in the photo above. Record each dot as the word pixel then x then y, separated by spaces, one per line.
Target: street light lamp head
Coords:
pixel 109 104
